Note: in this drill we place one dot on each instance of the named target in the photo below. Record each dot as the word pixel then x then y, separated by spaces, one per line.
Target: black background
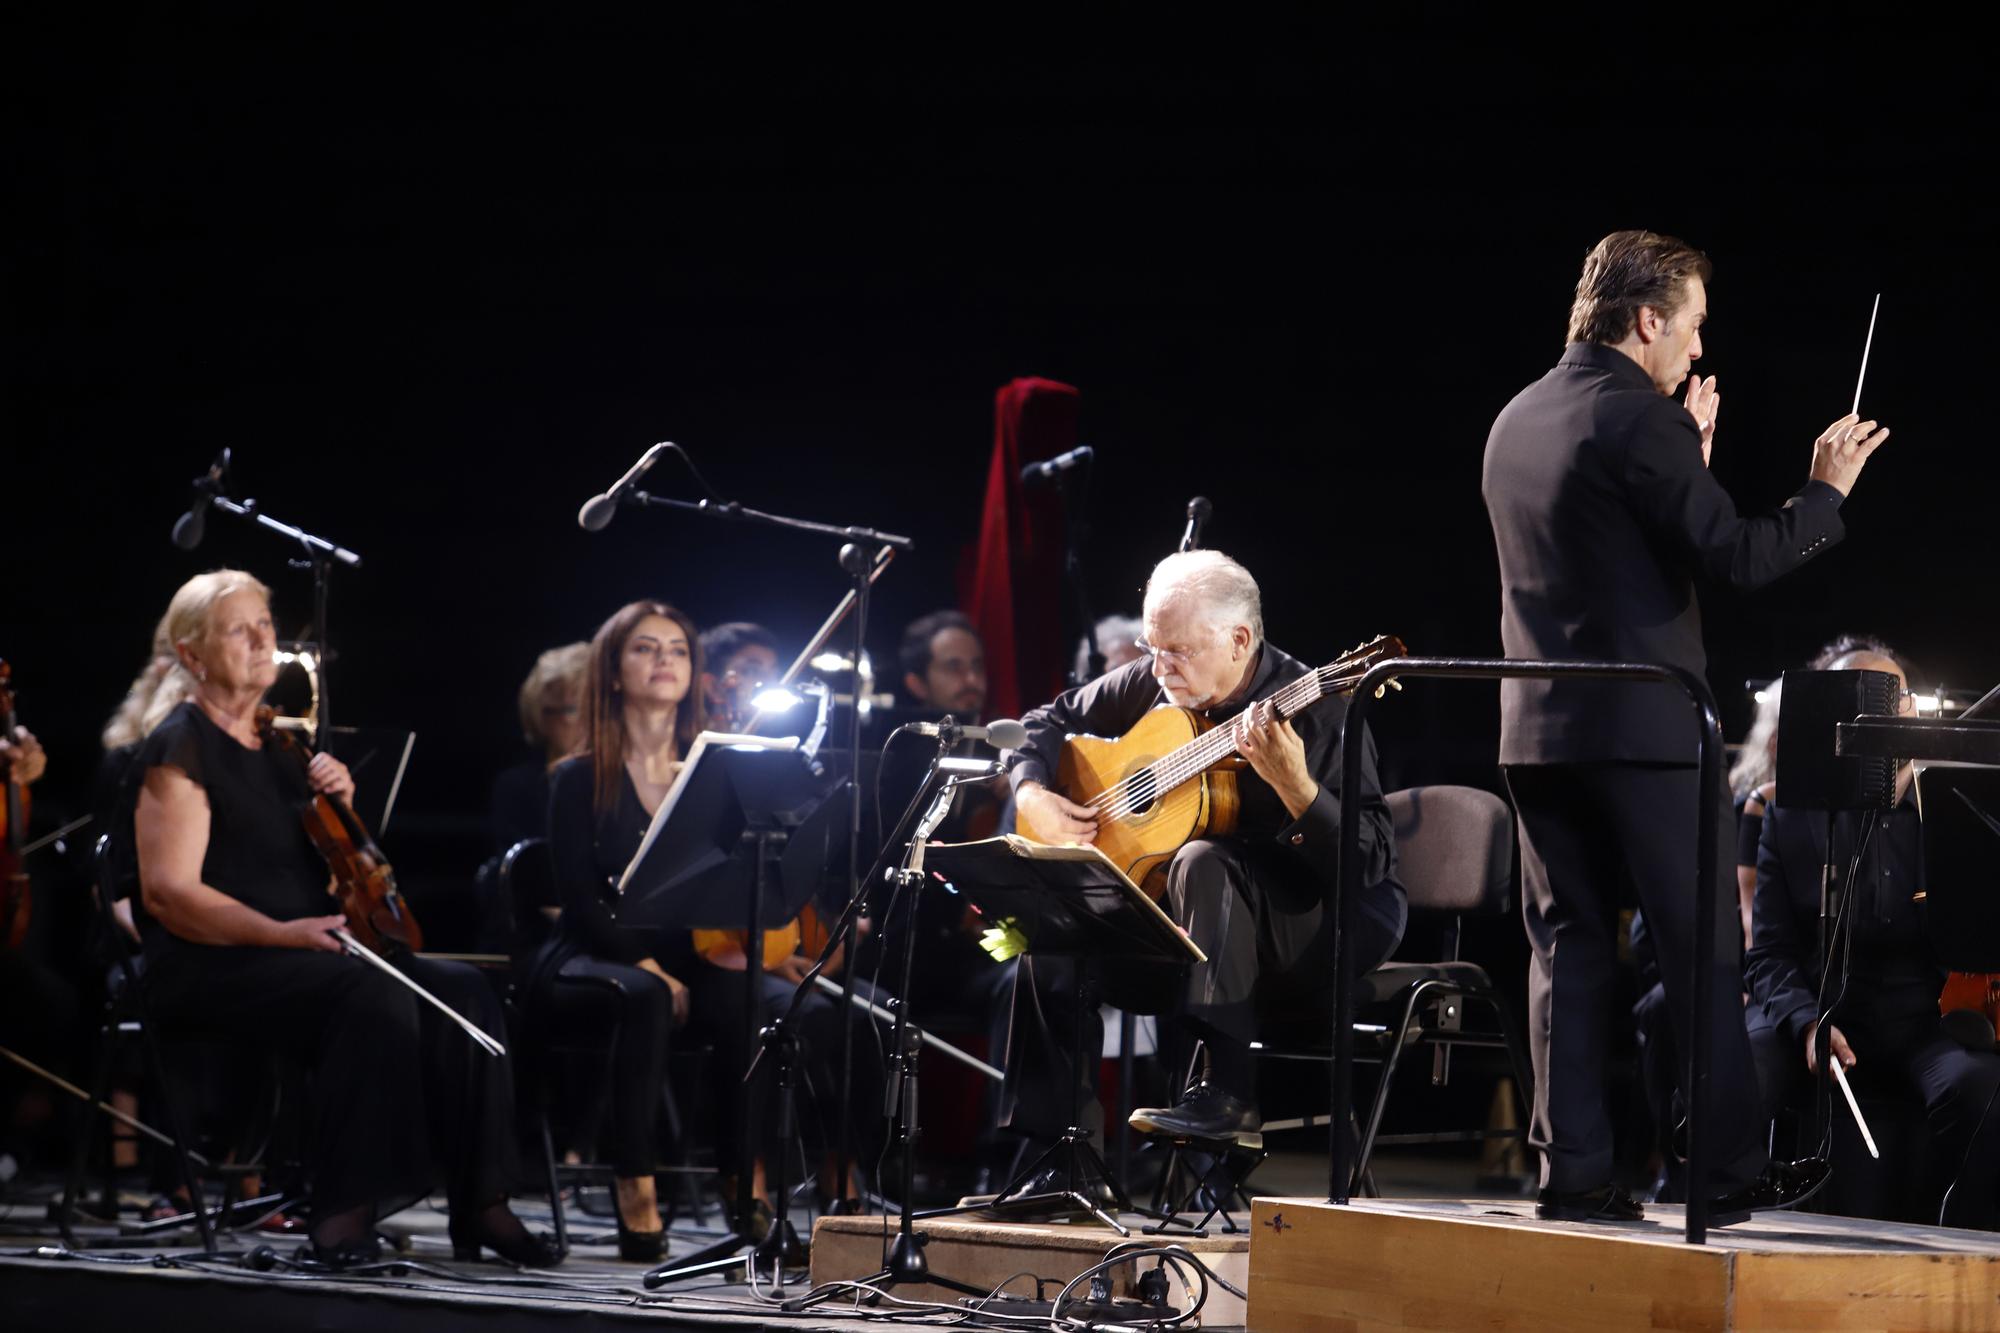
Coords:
pixel 439 280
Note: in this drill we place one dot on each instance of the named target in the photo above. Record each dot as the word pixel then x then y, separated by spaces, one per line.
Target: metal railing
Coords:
pixel 1347 888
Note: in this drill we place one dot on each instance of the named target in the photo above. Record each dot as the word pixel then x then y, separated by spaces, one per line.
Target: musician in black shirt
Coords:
pixel 1885 1028
pixel 235 927
pixel 1252 900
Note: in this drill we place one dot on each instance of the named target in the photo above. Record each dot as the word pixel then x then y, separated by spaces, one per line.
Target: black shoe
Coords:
pixel 1783 1185
pixel 340 1258
pixel 1610 1203
pixel 1204 1112
pixel 640 1247
pixel 516 1244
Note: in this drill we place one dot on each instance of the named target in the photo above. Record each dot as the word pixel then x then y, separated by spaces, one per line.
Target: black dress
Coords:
pixel 398 1091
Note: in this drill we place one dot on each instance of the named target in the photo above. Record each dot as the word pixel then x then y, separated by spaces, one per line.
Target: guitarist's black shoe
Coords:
pixel 1608 1203
pixel 1204 1112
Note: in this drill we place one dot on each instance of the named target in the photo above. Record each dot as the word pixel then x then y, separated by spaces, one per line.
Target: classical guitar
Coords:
pixel 1172 777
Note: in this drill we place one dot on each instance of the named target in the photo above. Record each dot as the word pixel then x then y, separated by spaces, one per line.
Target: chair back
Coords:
pixel 527 879
pixel 1454 849
pixel 112 878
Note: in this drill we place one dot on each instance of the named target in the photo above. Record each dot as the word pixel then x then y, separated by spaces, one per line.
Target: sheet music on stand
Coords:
pixel 1065 899
pixel 706 741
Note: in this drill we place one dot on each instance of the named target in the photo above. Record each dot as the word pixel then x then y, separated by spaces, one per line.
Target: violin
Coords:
pixel 363 880
pixel 16 896
pixel 1977 991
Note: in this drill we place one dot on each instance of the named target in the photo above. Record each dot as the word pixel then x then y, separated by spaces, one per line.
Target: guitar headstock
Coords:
pixel 1345 672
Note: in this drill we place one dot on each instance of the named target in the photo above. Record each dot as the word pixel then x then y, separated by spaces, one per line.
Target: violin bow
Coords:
pixel 373 959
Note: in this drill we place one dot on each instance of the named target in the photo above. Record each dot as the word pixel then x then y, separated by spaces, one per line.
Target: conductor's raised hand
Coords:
pixel 1704 403
pixel 1843 449
pixel 330 777
pixel 1052 818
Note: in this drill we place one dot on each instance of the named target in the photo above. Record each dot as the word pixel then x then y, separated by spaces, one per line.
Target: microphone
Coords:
pixel 598 510
pixel 1055 467
pixel 1198 511
pixel 1002 733
pixel 189 527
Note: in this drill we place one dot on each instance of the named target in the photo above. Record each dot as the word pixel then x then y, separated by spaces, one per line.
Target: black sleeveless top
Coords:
pixel 258 852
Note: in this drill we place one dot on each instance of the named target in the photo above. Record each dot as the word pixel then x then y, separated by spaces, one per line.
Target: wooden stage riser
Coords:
pixel 1390 1265
pixel 987 1253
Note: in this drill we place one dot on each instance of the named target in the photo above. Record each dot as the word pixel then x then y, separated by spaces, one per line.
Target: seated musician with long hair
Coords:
pixel 236 920
pixel 641 715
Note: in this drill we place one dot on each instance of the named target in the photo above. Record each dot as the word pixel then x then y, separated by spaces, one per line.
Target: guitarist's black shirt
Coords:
pixel 1309 845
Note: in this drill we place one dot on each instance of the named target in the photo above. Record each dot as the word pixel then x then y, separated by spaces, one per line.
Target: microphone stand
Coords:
pixel 906 1263
pixel 860 558
pixel 320 554
pixel 1072 484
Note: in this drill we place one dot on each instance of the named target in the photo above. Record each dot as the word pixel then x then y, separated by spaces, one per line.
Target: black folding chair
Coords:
pixel 1455 858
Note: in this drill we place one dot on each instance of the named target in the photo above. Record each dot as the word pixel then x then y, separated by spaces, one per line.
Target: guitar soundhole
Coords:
pixel 1142 793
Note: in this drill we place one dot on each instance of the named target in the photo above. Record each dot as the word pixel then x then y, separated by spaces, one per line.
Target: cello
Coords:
pixel 16 894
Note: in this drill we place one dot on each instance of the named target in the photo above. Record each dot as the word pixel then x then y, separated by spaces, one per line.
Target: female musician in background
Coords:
pixel 235 924
pixel 641 715
pixel 551 705
pixel 639 718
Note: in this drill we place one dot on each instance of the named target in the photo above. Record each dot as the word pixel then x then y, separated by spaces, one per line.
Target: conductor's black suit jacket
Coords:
pixel 1603 513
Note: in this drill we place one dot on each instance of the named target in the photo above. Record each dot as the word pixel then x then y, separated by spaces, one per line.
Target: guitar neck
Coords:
pixel 1218 744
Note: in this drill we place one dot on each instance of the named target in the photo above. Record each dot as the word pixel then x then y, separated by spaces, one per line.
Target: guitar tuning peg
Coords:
pixel 1396 683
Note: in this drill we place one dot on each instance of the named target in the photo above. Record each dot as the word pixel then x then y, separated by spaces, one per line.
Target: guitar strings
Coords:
pixel 1146 785
pixel 1193 758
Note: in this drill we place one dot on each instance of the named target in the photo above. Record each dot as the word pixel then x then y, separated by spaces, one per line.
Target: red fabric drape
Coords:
pixel 1011 584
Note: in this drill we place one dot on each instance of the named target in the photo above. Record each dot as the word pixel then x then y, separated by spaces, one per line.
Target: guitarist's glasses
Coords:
pixel 1171 656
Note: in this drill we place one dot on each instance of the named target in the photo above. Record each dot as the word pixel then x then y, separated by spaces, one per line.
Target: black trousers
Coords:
pixel 718 1012
pixel 590 995
pixel 1261 930
pixel 399 1094
pixel 1593 836
pixel 1908 1054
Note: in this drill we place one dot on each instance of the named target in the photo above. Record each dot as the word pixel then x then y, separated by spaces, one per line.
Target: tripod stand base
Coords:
pixel 782 1244
pixel 1083 1185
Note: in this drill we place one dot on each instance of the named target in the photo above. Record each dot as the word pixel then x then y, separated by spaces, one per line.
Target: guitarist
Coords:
pixel 1251 901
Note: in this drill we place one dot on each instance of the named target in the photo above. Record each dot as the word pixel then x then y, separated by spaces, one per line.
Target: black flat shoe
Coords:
pixel 1783 1185
pixel 1607 1204
pixel 340 1258
pixel 523 1249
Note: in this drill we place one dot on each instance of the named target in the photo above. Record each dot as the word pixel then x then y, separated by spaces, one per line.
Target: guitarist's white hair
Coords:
pixel 1223 588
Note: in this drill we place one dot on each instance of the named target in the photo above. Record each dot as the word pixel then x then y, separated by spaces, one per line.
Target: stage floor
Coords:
pixel 123 1282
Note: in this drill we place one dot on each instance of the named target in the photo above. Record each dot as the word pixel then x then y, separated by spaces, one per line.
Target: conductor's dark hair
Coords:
pixel 915 650
pixel 1627 270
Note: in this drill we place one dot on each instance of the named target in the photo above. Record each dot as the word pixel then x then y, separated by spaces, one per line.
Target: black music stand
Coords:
pixel 1068 902
pixel 1960 808
pixel 705 863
